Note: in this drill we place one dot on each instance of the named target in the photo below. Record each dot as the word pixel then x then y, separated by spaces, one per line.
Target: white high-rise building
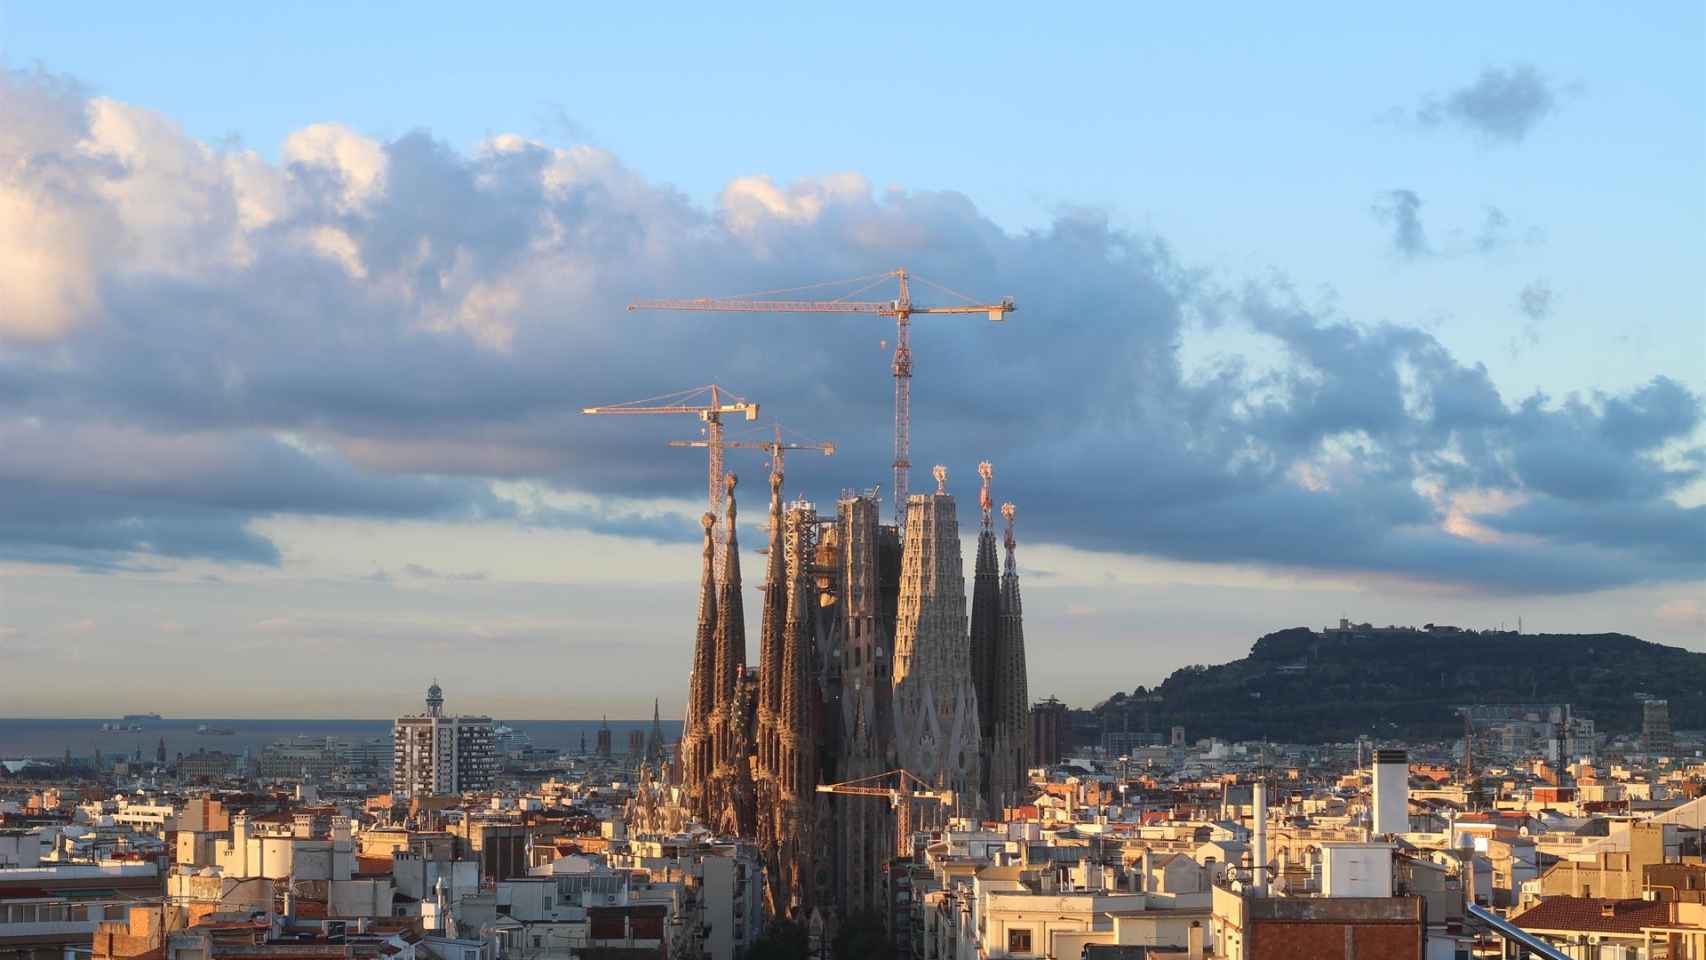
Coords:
pixel 433 754
pixel 1391 792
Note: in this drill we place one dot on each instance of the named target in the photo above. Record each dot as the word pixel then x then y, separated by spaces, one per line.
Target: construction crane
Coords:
pixel 773 447
pixel 901 308
pixel 722 401
pixel 901 789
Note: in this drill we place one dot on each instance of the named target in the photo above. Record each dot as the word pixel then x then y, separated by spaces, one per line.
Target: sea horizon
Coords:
pixel 47 737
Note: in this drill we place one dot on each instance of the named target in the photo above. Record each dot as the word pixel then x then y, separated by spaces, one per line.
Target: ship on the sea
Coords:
pixel 207 731
pixel 139 717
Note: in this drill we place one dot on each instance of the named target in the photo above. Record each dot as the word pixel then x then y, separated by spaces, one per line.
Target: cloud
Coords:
pixel 1535 301
pixel 1501 106
pixel 1401 209
pixel 1494 232
pixel 402 330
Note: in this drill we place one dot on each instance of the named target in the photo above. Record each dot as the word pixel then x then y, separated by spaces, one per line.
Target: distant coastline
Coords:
pixel 45 738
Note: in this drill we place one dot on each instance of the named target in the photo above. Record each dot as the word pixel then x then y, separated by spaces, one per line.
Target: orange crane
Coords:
pixel 901 308
pixel 722 401
pixel 901 789
pixel 774 447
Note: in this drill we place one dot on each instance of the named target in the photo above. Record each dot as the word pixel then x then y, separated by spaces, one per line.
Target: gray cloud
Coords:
pixel 1402 210
pixel 383 329
pixel 1494 232
pixel 1535 301
pixel 1502 105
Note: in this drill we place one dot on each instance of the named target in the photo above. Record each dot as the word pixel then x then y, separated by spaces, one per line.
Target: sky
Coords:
pixel 1387 314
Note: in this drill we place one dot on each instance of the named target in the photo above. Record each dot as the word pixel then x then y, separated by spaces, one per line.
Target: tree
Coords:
pixel 864 936
pixel 784 940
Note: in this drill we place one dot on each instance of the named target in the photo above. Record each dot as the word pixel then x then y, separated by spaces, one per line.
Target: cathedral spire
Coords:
pixel 731 619
pixel 654 739
pixel 986 471
pixel 774 624
pixel 701 691
pixel 935 699
pixel 798 654
pixel 985 612
pixel 1012 741
pixel 693 755
pixel 1010 573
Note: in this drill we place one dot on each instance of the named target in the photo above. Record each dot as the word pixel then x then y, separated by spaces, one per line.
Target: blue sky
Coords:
pixel 1254 155
pixel 1253 140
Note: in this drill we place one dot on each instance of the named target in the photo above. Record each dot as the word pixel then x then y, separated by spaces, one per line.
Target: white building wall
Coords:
pixel 1391 792
pixel 20 849
pixel 718 891
pixel 1356 869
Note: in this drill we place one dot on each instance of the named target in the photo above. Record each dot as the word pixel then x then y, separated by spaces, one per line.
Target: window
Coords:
pixel 1019 941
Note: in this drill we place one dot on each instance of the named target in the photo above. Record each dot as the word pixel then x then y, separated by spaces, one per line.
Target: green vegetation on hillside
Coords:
pixel 1301 686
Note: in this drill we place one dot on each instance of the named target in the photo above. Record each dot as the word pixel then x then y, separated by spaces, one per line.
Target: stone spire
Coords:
pixel 1010 749
pixel 735 788
pixel 863 652
pixel 731 618
pixel 771 638
pixel 1010 605
pixel 731 787
pixel 655 748
pixel 793 718
pixel 701 688
pixel 985 617
pixel 794 767
pixel 985 610
pixel 935 702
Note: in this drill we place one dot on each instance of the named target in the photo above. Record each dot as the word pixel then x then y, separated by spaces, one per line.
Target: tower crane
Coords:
pixel 900 788
pixel 722 401
pixel 901 308
pixel 774 447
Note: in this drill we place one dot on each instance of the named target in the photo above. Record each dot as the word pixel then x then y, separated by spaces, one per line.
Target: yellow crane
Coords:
pixel 901 308
pixel 774 447
pixel 721 401
pixel 901 789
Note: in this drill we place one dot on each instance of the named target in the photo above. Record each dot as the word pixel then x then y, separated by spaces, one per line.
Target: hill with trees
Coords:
pixel 1307 686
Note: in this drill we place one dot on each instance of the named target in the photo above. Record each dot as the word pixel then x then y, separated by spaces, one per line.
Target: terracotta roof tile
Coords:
pixel 1587 915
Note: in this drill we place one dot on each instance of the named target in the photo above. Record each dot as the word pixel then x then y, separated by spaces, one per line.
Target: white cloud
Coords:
pixel 356 161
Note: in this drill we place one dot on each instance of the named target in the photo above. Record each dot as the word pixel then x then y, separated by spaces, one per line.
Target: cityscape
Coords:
pixel 361 597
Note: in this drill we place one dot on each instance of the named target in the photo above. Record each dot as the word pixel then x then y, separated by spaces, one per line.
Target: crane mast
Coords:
pixel 722 401
pixel 901 309
pixel 902 789
pixel 902 398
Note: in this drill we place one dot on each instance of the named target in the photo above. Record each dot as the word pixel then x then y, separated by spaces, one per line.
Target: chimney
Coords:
pixel 1259 843
pixel 1194 949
